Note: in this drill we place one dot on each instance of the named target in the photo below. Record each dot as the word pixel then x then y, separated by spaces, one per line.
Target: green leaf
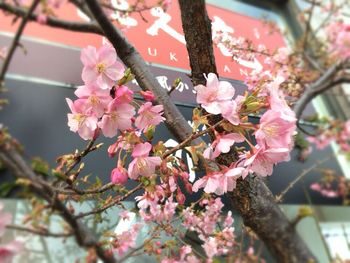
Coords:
pixel 40 166
pixel 5 188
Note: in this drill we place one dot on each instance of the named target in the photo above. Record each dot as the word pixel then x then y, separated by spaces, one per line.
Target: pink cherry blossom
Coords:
pixel 95 98
pixel 143 164
pixel 81 120
pixel 214 94
pixel 315 187
pixel 228 181
pixel 159 213
pixel 222 144
pixel 126 240
pixel 219 182
pixel 123 94
pixel 8 251
pixel 276 129
pixel 101 66
pixel 119 175
pixel 147 95
pixel 339 36
pixel 210 182
pixel 210 247
pixel 229 111
pixel 149 115
pixel 117 117
pixel 263 160
pixel 41 18
pixel 321 141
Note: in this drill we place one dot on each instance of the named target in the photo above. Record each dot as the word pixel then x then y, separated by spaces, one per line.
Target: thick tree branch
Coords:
pixel 53 22
pixel 251 198
pixel 327 81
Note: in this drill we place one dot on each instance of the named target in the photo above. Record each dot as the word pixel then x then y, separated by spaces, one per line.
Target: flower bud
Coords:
pixel 180 197
pixel 119 175
pixel 147 95
pixel 112 149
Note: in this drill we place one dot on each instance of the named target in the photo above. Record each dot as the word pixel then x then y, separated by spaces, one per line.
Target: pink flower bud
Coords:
pixel 119 175
pixel 188 188
pixel 112 149
pixel 180 197
pixel 41 18
pixel 147 95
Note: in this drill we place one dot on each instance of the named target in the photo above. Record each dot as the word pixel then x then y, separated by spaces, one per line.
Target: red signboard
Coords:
pixel 160 40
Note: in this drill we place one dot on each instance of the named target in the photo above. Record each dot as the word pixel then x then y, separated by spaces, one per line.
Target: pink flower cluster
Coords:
pixel 273 135
pixel 216 242
pixel 107 107
pixel 126 240
pixel 158 205
pixel 184 255
pixel 8 251
pixel 336 131
pixel 339 39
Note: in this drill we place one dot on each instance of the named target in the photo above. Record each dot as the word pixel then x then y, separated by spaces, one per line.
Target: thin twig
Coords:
pixel 40 232
pixel 279 197
pixel 52 21
pixel 16 41
pixel 113 203
pixel 191 138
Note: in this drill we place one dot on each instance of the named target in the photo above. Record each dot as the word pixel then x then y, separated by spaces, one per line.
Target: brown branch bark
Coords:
pixel 327 81
pixel 18 166
pixel 251 198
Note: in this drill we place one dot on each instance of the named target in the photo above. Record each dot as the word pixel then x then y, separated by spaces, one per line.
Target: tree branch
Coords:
pixel 53 22
pixel 40 232
pixel 325 82
pixel 16 41
pixel 251 198
pixel 18 166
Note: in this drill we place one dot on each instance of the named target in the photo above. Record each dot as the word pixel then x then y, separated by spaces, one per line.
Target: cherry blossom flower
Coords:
pixel 149 115
pixel 101 66
pixel 95 98
pixel 123 94
pixel 339 36
pixel 210 247
pixel 126 240
pixel 143 164
pixel 222 144
pixel 219 182
pixel 119 175
pixel 210 182
pixel 321 141
pixel 214 94
pixel 229 111
pixel 117 117
pixel 81 120
pixel 147 95
pixel 8 251
pixel 276 129
pixel 160 213
pixel 263 160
